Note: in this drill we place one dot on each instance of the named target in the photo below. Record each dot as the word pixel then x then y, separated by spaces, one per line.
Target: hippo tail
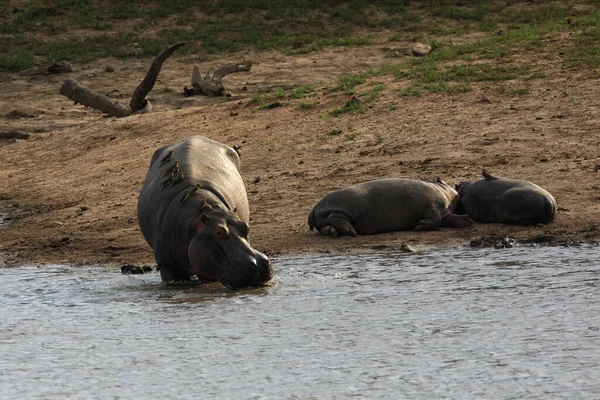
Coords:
pixel 550 206
pixel 311 219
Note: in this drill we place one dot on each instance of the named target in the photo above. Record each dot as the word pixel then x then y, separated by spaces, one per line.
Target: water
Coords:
pixel 446 323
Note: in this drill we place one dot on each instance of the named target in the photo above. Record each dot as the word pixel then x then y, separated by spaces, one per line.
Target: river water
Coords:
pixel 442 323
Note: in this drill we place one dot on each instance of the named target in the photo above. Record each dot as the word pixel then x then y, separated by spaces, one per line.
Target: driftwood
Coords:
pixel 138 104
pixel 211 85
pixel 6 135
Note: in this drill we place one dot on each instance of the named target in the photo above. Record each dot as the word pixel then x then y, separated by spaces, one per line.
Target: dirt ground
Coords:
pixel 69 192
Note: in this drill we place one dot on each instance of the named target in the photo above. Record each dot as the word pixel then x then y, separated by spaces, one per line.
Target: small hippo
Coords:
pixel 506 201
pixel 193 212
pixel 387 205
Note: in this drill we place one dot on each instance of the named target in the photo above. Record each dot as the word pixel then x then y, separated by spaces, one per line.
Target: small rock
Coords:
pixel 419 49
pixel 353 100
pixel 16 114
pixel 109 69
pixel 233 114
pixel 129 269
pixel 256 179
pixel 274 105
pixel 497 242
pixel 407 248
pixel 484 99
pixel 60 67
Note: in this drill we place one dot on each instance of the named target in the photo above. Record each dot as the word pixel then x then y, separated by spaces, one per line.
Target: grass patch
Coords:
pixel 349 107
pixel 375 92
pixel 347 83
pixel 36 29
pixel 306 106
pixel 264 100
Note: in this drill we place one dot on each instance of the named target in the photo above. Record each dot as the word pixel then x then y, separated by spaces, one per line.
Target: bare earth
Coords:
pixel 69 193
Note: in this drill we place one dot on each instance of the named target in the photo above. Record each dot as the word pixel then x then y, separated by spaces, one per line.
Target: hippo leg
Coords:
pixel 338 224
pixel 427 224
pixel 457 221
pixel 168 274
pixel 430 222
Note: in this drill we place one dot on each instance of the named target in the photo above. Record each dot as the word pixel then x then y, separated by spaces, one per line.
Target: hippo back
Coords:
pixel 503 200
pixel 212 165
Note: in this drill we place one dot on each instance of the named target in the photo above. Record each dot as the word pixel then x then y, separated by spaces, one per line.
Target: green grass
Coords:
pixel 265 99
pixel 36 29
pixel 349 107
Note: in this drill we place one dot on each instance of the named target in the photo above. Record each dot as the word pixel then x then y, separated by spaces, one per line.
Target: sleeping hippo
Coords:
pixel 193 212
pixel 387 205
pixel 506 201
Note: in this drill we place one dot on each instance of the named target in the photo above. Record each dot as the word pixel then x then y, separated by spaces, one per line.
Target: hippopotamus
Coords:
pixel 506 201
pixel 193 212
pixel 387 205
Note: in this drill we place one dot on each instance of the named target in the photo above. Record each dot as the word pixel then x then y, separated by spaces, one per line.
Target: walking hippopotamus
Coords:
pixel 387 205
pixel 506 201
pixel 193 212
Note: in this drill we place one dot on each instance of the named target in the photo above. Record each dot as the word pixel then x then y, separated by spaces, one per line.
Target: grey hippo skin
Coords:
pixel 506 201
pixel 387 205
pixel 193 212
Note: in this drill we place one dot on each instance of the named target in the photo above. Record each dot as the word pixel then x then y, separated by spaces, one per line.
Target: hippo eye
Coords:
pixel 220 233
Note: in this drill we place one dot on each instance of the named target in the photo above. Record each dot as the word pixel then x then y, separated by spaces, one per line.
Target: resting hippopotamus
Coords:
pixel 193 212
pixel 506 201
pixel 387 205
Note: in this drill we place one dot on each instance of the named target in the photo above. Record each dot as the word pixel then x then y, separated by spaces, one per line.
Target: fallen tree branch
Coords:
pixel 89 98
pixel 212 86
pixel 139 96
pixel 138 103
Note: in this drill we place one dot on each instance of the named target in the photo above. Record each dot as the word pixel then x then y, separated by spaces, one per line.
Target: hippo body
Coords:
pixel 387 205
pixel 506 201
pixel 193 212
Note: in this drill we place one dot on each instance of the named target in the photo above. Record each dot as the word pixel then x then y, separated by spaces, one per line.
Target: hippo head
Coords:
pixel 462 187
pixel 220 250
pixel 449 193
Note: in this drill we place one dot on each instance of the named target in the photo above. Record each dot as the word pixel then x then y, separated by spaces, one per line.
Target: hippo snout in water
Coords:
pixel 255 270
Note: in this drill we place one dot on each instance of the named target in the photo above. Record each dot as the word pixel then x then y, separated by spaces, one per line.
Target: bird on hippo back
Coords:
pixel 193 212
pixel 387 205
pixel 506 201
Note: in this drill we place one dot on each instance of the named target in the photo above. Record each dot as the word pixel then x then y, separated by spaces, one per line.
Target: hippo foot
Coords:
pixel 427 224
pixel 457 221
pixel 329 230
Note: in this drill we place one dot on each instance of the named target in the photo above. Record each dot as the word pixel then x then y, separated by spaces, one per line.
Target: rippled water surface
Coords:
pixel 443 323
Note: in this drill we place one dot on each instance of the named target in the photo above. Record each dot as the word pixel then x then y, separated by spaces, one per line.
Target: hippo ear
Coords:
pixel 203 219
pixel 487 176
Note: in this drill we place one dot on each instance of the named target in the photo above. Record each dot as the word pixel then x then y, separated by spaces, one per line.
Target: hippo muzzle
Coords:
pixel 248 270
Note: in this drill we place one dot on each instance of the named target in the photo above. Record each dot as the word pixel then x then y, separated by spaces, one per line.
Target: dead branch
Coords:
pixel 212 86
pixel 138 104
pixel 89 98
pixel 139 96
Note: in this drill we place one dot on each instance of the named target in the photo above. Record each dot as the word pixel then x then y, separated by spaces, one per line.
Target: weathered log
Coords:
pixel 5 135
pixel 138 104
pixel 212 86
pixel 89 98
pixel 137 100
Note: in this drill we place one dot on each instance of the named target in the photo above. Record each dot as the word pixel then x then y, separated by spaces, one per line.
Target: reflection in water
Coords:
pixel 446 323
